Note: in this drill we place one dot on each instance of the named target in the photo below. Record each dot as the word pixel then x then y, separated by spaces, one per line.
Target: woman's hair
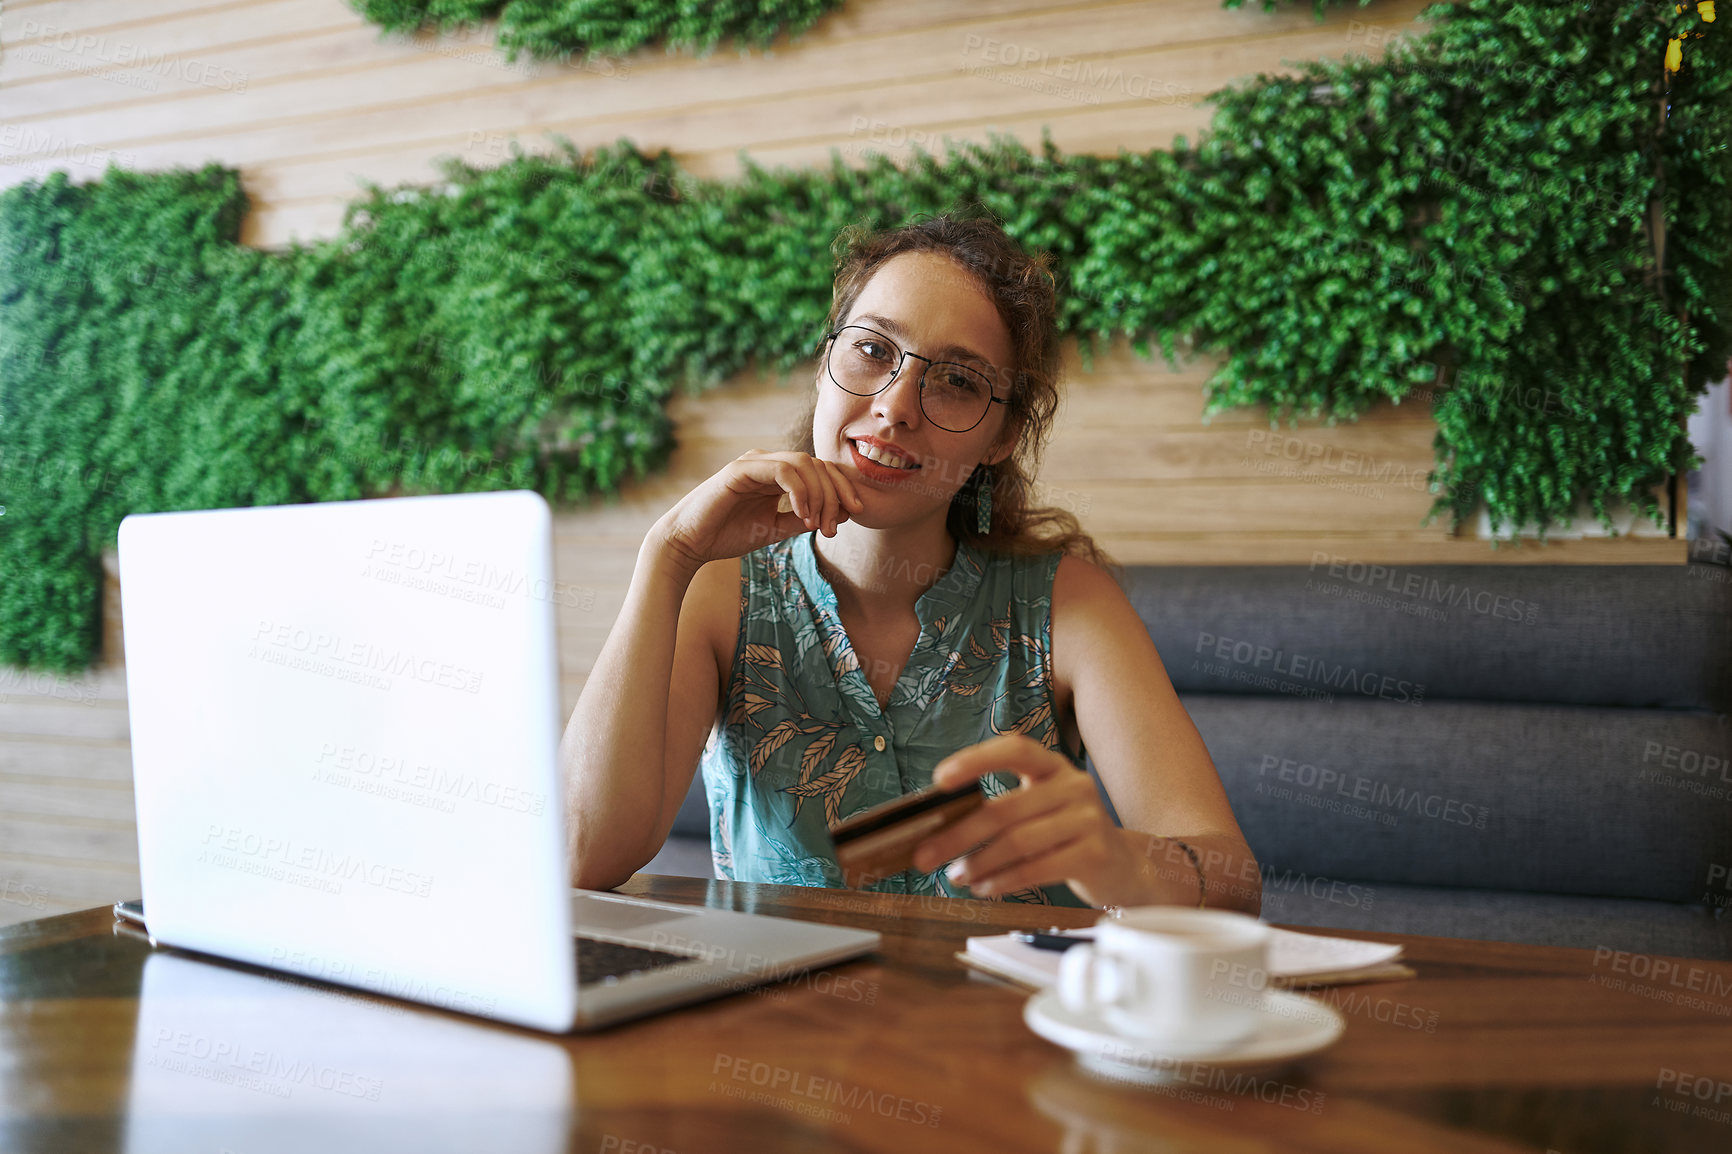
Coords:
pixel 1021 288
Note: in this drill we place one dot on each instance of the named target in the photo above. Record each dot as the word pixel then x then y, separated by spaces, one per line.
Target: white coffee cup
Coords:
pixel 1173 974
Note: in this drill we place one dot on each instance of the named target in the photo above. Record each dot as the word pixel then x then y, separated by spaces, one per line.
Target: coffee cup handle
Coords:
pixel 1090 980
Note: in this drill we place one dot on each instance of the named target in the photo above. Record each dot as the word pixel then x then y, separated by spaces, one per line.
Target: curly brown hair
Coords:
pixel 1021 287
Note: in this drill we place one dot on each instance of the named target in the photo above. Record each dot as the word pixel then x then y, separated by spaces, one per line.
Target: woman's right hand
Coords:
pixel 739 509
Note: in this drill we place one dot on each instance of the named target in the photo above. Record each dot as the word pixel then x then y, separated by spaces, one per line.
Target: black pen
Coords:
pixel 1049 941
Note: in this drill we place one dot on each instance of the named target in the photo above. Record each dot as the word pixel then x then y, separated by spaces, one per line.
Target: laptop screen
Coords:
pixel 345 721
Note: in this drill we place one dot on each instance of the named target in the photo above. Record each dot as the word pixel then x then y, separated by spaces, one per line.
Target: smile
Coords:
pixel 881 455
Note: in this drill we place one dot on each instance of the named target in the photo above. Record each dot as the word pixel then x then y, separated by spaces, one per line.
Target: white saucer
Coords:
pixel 1292 1026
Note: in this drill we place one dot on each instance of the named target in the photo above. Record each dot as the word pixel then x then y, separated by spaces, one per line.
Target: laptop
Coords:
pixel 345 723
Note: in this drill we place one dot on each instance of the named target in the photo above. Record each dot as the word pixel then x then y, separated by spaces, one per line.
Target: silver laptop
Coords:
pixel 345 720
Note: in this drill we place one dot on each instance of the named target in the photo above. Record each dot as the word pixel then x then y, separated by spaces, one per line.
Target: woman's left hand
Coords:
pixel 1053 829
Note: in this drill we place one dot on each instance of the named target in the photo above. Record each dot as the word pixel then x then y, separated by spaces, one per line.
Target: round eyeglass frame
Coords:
pixel 830 347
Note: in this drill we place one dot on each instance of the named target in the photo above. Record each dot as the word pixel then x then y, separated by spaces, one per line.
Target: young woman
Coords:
pixel 884 609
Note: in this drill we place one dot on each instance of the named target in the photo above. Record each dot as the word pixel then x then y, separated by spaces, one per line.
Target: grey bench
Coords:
pixel 1516 753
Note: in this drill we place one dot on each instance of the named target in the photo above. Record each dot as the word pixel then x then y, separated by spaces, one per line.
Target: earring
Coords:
pixel 983 500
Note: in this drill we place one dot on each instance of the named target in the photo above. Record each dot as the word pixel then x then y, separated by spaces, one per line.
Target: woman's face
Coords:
pixel 927 304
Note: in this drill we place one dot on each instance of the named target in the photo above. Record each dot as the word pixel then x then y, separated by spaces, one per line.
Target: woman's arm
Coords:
pixel 1149 755
pixel 640 723
pixel 1150 758
pixel 652 697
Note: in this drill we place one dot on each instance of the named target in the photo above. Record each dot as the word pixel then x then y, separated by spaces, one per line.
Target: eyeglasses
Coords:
pixel 864 361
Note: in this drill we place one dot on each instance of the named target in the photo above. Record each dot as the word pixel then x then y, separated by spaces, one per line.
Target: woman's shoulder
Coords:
pixel 1057 575
pixel 1079 579
pixel 722 592
pixel 1089 604
pixel 713 605
pixel 732 577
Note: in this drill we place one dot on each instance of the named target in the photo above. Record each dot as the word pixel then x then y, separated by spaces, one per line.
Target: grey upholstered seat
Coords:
pixel 1517 753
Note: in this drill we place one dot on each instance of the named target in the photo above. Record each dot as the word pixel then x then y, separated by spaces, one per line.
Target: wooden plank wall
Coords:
pixel 308 100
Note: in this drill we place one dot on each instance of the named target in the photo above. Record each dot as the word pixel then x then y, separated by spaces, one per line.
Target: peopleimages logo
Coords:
pixel 46 147
pixel 125 54
pixel 400 779
pixel 1422 588
pixel 277 643
pixel 1719 878
pixel 1663 979
pixel 1357 788
pixel 1091 78
pixel 390 982
pixel 273 1066
pixel 309 866
pixel 1708 1094
pixel 1350 894
pixel 828 1091
pixel 24 894
pixel 1333 459
pixel 1237 1084
pixel 1301 668
pixel 400 563
pixel 1693 762
pixel 39 683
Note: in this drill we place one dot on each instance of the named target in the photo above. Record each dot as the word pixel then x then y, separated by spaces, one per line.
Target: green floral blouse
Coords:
pixel 804 744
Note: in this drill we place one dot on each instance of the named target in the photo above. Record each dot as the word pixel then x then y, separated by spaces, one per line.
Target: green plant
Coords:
pixel 564 29
pixel 1474 210
pixel 1468 223
pixel 1317 6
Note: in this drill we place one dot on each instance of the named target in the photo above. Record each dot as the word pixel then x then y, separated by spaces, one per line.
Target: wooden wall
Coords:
pixel 307 100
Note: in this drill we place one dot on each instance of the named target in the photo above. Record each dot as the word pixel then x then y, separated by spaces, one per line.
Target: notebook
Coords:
pixel 1295 959
pixel 345 721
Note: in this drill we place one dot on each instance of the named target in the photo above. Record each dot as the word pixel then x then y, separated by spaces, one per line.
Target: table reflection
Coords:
pixel 1105 1116
pixel 226 1059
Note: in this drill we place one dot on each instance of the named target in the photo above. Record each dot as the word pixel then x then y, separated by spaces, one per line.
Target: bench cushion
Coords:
pixel 1599 924
pixel 1630 635
pixel 1556 799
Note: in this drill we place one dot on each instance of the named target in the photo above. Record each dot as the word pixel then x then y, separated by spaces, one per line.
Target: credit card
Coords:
pixel 874 845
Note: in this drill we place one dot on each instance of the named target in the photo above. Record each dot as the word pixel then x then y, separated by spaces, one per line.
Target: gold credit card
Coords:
pixel 880 842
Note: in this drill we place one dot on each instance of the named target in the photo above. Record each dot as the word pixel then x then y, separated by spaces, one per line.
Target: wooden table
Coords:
pixel 106 1044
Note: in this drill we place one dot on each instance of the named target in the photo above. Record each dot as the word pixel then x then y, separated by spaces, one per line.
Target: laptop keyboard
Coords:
pixel 598 961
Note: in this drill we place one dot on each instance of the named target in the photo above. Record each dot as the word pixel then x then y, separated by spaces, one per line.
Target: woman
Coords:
pixel 883 610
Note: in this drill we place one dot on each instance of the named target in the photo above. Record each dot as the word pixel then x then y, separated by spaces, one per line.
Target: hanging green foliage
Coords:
pixel 1468 224
pixel 573 29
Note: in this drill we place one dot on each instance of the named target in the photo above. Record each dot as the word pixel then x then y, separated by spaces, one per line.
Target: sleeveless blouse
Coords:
pixel 803 743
